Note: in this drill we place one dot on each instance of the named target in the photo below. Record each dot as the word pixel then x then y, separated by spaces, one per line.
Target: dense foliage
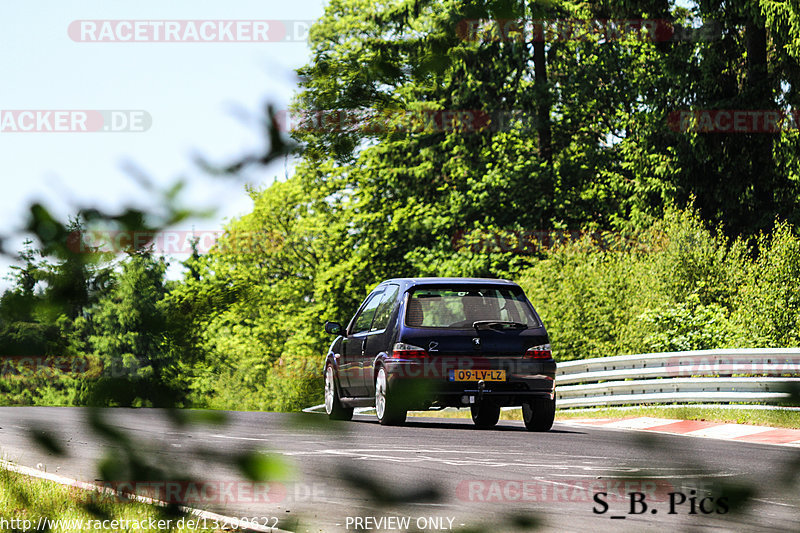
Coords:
pixel 564 170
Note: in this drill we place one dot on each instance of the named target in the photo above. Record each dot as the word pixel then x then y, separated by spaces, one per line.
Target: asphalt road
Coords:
pixel 434 474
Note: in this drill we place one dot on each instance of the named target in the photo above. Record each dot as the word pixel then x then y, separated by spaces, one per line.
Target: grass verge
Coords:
pixel 30 504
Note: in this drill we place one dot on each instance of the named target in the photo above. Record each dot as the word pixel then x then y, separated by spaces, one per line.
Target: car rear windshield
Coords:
pixel 462 307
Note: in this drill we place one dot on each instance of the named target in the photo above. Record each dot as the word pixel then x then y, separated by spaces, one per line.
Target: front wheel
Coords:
pixel 386 408
pixel 333 406
pixel 538 414
pixel 485 415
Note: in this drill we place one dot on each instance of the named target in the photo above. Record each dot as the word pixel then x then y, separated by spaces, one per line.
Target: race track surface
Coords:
pixel 434 474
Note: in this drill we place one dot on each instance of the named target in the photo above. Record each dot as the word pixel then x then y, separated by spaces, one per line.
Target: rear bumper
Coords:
pixel 422 385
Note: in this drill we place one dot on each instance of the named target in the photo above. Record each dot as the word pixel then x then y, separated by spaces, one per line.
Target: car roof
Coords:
pixel 413 282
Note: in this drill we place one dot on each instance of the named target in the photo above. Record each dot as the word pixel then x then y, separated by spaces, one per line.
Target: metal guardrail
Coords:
pixel 736 375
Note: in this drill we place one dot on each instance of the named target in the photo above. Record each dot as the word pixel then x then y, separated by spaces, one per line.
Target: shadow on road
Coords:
pixel 437 423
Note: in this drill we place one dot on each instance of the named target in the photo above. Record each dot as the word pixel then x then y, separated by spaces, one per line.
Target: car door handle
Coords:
pixel 364 346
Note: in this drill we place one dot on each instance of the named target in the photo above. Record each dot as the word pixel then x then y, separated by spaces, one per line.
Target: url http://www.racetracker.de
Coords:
pixel 78 524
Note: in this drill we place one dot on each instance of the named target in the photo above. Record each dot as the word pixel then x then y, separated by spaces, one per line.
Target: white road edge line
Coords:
pixel 61 480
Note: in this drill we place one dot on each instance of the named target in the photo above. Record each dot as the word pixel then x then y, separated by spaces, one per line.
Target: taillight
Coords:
pixel 539 352
pixel 402 350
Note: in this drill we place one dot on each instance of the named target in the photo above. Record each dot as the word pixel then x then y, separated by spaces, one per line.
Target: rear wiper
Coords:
pixel 495 324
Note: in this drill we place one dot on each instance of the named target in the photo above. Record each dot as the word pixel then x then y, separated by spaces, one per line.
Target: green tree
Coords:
pixel 256 305
pixel 129 336
pixel 19 332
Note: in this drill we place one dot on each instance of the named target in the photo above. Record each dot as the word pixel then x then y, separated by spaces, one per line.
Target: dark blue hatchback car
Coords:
pixel 431 343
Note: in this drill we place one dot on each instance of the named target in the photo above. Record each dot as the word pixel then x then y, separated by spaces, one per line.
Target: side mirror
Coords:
pixel 333 328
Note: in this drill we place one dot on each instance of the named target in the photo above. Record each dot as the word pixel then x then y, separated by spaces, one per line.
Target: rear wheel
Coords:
pixel 485 415
pixel 386 408
pixel 333 406
pixel 538 414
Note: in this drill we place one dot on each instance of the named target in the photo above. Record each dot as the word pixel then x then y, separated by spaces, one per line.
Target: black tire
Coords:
pixel 388 411
pixel 485 414
pixel 538 414
pixel 333 405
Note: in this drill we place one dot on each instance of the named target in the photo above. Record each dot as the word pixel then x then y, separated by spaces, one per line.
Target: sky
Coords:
pixel 202 98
